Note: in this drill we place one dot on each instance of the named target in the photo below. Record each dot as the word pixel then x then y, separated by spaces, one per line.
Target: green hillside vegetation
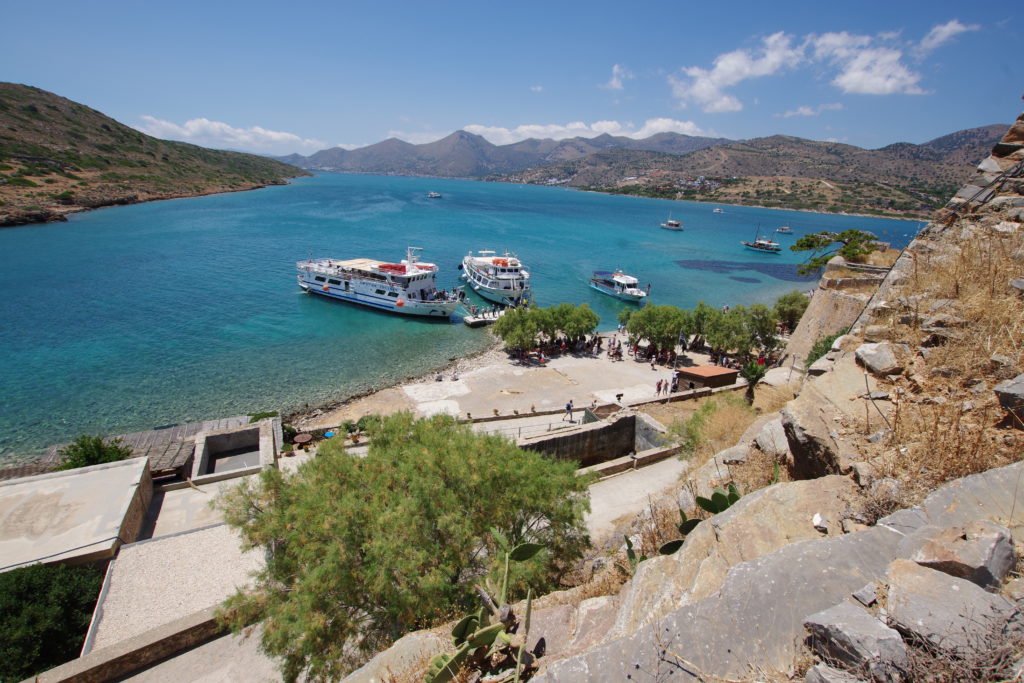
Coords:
pixel 58 156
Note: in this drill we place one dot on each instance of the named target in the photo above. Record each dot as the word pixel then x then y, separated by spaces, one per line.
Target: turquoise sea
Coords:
pixel 133 317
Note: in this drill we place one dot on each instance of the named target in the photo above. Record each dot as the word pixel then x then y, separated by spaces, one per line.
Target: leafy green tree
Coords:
pixel 44 615
pixel 697 323
pixel 790 308
pixel 659 325
pixel 731 331
pixel 821 347
pixel 763 324
pixel 92 450
pixel 517 328
pixel 363 550
pixel 580 322
pixel 852 245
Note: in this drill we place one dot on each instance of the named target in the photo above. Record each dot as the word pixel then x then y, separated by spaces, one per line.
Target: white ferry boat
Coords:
pixel 407 287
pixel 502 279
pixel 619 285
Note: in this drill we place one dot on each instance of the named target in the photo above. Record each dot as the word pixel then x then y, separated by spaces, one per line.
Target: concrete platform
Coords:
pixel 73 516
pixel 157 581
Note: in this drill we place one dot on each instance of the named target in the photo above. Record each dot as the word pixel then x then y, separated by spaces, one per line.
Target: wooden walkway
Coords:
pixel 169 449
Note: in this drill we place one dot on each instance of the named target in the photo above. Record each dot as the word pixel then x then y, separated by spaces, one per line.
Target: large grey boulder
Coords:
pixel 407 653
pixel 846 634
pixel 880 359
pixel 823 673
pixel 753 623
pixel 756 525
pixel 952 615
pixel 772 439
pixel 1011 398
pixel 807 422
pixel 980 551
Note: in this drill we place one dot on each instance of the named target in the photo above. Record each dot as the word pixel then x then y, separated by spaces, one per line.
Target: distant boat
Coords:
pixel 717 210
pixel 785 229
pixel 763 244
pixel 671 224
pixel 619 285
pixel 433 195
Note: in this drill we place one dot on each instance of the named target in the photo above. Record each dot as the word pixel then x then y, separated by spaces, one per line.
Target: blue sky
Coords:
pixel 298 77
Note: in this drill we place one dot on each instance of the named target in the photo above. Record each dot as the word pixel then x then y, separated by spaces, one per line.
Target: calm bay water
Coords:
pixel 133 317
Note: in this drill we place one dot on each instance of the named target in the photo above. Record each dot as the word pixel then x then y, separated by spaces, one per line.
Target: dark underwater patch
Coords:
pixel 779 271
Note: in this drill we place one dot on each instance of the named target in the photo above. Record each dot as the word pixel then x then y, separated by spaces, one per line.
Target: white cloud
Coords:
pixel 537 88
pixel 505 136
pixel 942 33
pixel 220 135
pixel 705 88
pixel 811 111
pixel 619 74
pixel 865 67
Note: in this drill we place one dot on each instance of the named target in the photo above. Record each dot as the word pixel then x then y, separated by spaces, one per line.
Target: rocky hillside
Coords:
pixel 889 555
pixel 465 155
pixel 58 157
pixel 787 172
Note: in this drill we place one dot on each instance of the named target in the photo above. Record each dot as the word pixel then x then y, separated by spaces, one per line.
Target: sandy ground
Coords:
pixel 493 383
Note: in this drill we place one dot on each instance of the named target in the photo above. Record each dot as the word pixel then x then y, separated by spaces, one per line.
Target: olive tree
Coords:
pixel 363 550
pixel 790 308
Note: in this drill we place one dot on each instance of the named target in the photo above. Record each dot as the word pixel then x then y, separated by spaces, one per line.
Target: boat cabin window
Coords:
pixel 319 278
pixel 394 294
pixel 334 282
pixel 380 291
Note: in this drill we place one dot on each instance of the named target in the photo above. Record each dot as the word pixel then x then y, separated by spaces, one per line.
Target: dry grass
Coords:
pixel 760 470
pixel 947 422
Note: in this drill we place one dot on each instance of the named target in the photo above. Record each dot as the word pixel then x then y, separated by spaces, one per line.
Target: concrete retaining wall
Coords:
pixel 591 444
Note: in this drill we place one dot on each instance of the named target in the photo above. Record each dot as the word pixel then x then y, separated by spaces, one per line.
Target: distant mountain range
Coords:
pixel 465 155
pixel 59 156
pixel 900 179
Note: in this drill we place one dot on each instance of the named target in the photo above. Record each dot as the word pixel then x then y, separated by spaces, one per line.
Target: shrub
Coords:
pixel 92 450
pixel 44 614
pixel 790 308
pixel 821 347
pixel 262 416
pixel 366 549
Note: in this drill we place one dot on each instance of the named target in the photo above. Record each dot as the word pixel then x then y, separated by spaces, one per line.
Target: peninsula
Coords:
pixel 59 157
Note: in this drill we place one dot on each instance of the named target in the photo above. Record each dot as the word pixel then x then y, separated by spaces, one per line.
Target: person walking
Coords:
pixel 568 411
pixel 657 389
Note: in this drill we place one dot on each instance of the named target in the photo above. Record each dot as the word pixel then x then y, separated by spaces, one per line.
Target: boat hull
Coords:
pixel 399 305
pixel 761 250
pixel 622 296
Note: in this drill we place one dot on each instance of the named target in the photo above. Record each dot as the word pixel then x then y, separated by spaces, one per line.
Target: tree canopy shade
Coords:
pixel 366 549
pixel 659 325
pixel 92 450
pixel 519 327
pixel 44 615
pixel 790 308
pixel 852 245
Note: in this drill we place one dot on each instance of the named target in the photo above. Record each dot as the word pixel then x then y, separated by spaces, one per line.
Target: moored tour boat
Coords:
pixel 408 287
pixel 619 285
pixel 785 229
pixel 502 279
pixel 671 224
pixel 763 245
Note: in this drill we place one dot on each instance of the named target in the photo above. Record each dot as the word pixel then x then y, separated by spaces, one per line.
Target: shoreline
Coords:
pixel 458 364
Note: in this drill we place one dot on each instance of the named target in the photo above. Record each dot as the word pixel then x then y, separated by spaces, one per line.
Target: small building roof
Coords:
pixel 67 515
pixel 708 371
